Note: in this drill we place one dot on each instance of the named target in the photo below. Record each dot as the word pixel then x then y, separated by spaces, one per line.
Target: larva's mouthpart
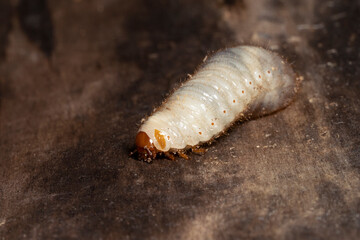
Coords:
pixel 145 147
pixel 236 83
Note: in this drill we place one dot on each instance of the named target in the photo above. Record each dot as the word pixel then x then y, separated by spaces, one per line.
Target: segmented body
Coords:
pixel 233 83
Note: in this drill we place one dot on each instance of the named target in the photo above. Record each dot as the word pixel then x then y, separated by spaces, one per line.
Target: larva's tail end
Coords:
pixel 145 147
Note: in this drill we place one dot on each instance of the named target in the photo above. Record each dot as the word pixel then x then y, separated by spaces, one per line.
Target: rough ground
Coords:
pixel 77 77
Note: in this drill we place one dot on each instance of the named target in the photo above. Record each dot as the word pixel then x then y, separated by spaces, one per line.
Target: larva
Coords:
pixel 234 83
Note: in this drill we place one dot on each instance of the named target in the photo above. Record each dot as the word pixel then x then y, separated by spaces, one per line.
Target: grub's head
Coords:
pixel 145 147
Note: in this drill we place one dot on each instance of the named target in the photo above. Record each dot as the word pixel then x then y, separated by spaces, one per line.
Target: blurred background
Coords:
pixel 77 77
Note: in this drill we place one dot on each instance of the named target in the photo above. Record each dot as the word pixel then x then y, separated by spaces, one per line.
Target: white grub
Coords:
pixel 235 83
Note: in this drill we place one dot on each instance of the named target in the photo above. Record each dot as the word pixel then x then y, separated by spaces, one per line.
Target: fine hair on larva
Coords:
pixel 232 84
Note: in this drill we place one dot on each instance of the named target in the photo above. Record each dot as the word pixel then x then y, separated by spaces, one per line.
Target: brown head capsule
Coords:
pixel 145 147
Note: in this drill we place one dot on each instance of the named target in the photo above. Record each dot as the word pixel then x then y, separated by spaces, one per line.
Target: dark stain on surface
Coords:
pixel 302 232
pixel 339 34
pixel 338 44
pixel 35 21
pixel 88 181
pixel 232 3
pixel 5 26
pixel 330 196
pixel 77 168
pixel 168 39
pixel 6 91
pixel 276 3
pixel 337 212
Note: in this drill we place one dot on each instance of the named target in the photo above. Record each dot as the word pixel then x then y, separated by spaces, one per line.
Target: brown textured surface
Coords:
pixel 76 77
